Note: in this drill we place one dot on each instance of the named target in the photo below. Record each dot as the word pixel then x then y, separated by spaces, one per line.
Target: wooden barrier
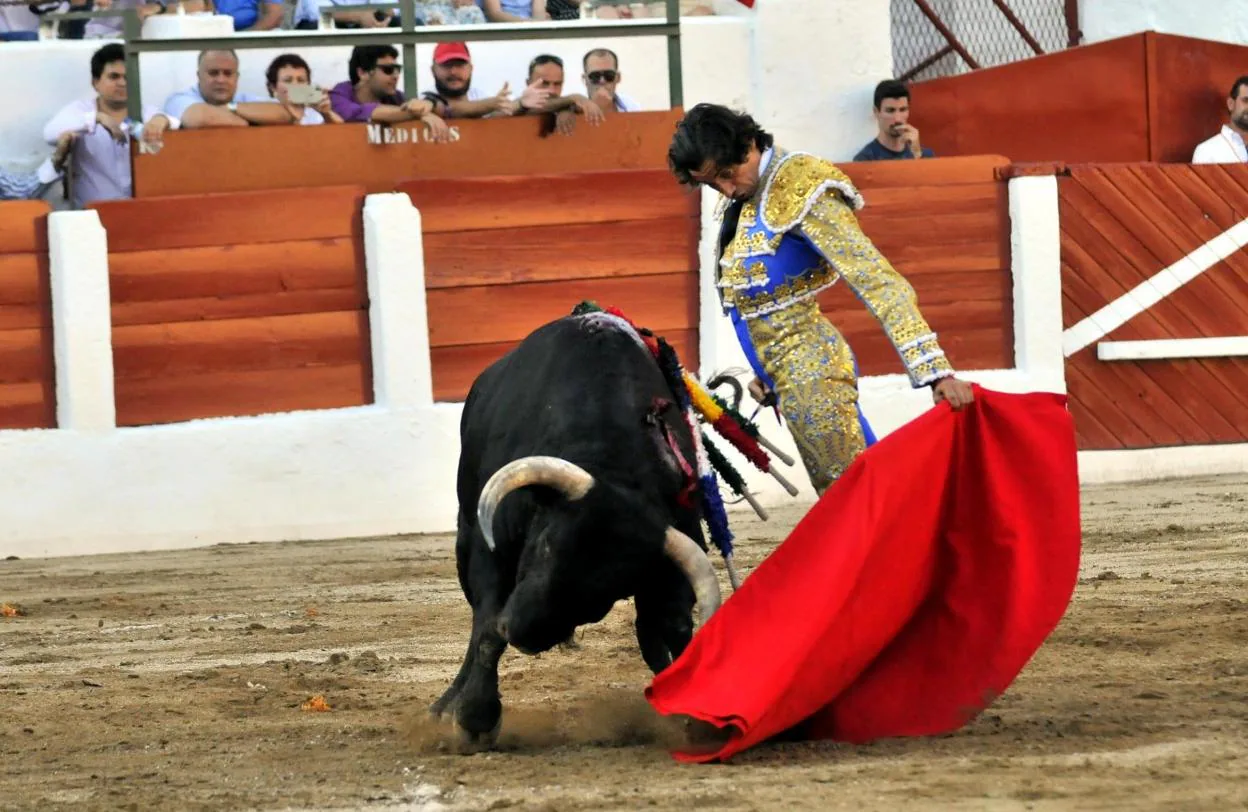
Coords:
pixel 260 158
pixel 504 255
pixel 27 371
pixel 1121 225
pixel 1144 97
pixel 238 304
pixel 944 224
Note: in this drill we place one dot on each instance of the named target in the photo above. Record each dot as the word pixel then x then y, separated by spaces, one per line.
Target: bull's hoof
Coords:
pixel 704 737
pixel 472 742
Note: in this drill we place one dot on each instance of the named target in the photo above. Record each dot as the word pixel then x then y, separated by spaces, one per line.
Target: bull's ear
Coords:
pixel 663 441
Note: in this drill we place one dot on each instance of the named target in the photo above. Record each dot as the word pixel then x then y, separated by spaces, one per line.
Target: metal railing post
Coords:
pixel 675 74
pixel 131 29
pixel 407 15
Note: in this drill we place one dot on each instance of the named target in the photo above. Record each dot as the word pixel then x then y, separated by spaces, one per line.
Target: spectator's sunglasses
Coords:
pixel 391 69
pixel 598 76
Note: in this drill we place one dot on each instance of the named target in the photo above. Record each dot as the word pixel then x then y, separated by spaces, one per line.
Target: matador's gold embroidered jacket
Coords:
pixel 797 236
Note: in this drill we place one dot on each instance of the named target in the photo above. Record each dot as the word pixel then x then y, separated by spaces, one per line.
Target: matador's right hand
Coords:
pixel 761 393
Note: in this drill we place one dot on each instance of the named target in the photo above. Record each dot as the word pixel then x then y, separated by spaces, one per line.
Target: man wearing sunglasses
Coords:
pixel 373 93
pixel 602 78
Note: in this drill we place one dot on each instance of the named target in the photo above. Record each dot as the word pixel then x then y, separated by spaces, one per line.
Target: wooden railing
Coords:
pixel 27 374
pixel 504 255
pixel 945 225
pixel 1137 266
pixel 238 304
pixel 257 158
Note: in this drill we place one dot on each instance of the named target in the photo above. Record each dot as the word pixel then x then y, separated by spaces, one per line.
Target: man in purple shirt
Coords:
pixel 372 95
pixel 100 131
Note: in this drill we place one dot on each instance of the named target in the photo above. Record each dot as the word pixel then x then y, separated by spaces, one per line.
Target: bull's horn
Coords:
pixel 570 480
pixel 687 555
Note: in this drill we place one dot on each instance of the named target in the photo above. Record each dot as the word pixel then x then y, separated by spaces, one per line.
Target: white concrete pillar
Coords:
pixel 1036 256
pixel 817 63
pixel 81 321
pixel 397 312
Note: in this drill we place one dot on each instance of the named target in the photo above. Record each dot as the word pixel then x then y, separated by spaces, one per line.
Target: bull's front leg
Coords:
pixel 479 708
pixel 664 617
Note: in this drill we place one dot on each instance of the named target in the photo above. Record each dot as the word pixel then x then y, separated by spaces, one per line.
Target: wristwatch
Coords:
pixel 232 106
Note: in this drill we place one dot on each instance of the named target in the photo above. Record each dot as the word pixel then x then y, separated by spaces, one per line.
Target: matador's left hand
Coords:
pixel 959 394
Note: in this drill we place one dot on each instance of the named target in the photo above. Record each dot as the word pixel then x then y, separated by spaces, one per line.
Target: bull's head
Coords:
pixel 593 532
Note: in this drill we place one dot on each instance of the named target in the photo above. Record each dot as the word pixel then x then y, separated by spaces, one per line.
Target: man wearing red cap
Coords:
pixel 455 97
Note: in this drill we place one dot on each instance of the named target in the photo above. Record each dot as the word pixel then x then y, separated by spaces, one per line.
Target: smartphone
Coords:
pixel 304 94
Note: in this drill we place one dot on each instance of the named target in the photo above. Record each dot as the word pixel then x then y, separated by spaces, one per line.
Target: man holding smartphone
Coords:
pixel 289 81
pixel 898 139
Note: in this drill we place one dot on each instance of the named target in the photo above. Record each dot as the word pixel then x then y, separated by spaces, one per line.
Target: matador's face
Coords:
pixel 737 182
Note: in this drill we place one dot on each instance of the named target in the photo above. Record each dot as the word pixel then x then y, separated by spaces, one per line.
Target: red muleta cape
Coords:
pixel 909 597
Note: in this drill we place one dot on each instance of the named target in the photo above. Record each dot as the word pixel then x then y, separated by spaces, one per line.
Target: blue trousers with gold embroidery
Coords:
pixel 812 369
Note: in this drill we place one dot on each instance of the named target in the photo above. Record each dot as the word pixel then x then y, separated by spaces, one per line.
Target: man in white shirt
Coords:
pixel 100 130
pixel 1227 147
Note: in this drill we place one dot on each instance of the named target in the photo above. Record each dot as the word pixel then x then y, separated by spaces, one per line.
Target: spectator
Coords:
pixel 454 96
pixel 110 27
pixel 514 11
pixel 546 74
pixel 449 12
pixel 34 185
pixel 215 101
pixel 897 138
pixel 99 131
pixel 291 69
pixel 1227 147
pixel 372 93
pixel 602 78
pixel 252 15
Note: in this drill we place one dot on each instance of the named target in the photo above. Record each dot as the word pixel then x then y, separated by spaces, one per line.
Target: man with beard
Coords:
pixel 1227 147
pixel 373 93
pixel 789 231
pixel 898 139
pixel 99 130
pixel 455 97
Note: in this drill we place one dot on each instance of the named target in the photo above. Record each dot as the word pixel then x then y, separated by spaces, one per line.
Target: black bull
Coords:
pixel 570 499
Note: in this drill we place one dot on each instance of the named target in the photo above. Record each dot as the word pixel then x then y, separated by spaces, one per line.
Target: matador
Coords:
pixel 790 231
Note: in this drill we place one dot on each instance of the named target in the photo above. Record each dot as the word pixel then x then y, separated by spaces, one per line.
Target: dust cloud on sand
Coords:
pixel 297 676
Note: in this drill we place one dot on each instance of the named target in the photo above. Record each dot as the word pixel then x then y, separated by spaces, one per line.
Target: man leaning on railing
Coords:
pixel 99 129
pixel 215 101
pixel 373 93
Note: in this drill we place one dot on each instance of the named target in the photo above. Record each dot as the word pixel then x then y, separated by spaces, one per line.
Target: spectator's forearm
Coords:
pixel 208 115
pixel 462 107
pixel 271 19
pixel 390 114
pixel 265 113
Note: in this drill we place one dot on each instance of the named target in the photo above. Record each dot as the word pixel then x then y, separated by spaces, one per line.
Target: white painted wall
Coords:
pixel 816 67
pixel 1221 20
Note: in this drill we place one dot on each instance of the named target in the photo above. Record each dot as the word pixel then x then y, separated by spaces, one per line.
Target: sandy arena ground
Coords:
pixel 176 681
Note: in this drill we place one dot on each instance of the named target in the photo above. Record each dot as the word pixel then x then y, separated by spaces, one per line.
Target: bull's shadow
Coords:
pixel 574 492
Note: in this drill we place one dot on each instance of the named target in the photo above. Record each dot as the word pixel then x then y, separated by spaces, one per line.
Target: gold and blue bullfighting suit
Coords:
pixel 796 236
